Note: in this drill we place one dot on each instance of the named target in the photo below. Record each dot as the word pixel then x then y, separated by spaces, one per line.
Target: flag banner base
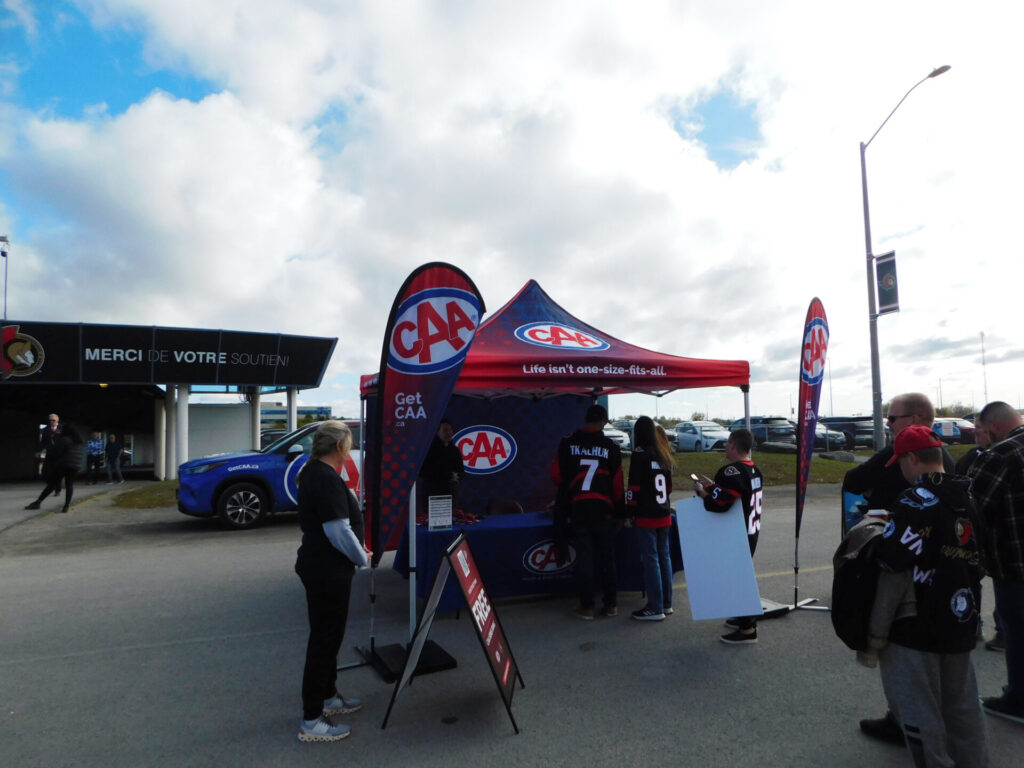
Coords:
pixel 774 610
pixel 389 660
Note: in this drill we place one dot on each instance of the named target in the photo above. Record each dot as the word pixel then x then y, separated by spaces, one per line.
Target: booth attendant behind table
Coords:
pixel 442 470
pixel 331 548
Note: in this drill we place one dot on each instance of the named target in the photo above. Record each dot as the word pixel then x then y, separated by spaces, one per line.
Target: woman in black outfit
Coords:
pixel 332 527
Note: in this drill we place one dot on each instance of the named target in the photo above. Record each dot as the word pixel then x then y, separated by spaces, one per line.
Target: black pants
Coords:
pixel 594 541
pixel 53 482
pixel 327 604
pixel 95 461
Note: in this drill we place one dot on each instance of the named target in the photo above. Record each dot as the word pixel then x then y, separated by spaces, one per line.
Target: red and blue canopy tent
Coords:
pixel 534 348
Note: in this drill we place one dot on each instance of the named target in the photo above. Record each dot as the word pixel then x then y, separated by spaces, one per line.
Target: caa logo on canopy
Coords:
pixel 542 557
pixel 812 358
pixel 558 336
pixel 432 331
pixel 485 449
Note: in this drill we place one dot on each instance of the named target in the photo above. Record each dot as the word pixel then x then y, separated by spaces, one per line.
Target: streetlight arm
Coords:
pixel 934 73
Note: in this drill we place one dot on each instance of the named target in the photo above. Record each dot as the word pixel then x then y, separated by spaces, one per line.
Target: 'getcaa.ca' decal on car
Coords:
pixel 485 449
pixel 432 331
pixel 542 557
pixel 558 336
pixel 242 466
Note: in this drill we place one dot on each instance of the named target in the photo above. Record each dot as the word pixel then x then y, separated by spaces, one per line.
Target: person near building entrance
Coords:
pixel 114 449
pixel 63 461
pixel 94 452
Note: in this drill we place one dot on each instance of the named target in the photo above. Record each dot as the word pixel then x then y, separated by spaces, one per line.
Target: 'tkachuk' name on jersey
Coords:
pixel 579 450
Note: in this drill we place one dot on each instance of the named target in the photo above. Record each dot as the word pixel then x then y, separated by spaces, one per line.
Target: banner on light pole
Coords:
pixel 888 290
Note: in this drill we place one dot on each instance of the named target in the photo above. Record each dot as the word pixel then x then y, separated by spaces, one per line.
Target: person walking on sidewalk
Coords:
pixel 114 450
pixel 94 452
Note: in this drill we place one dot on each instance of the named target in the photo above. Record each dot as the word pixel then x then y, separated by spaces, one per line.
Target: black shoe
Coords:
pixel 64 508
pixel 739 637
pixel 884 729
pixel 1000 707
pixel 33 505
pixel 997 643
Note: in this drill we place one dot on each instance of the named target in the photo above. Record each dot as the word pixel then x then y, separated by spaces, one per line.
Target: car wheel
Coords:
pixel 849 441
pixel 242 505
pixel 699 446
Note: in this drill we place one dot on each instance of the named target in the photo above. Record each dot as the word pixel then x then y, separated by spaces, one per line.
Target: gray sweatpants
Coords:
pixel 935 697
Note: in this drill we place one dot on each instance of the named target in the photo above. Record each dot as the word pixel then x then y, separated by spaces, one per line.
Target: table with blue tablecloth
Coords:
pixel 516 557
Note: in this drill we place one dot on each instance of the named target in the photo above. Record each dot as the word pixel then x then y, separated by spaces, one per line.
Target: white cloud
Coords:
pixel 352 142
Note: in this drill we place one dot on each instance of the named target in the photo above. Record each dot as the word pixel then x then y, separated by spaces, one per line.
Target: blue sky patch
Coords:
pixel 724 125
pixel 68 65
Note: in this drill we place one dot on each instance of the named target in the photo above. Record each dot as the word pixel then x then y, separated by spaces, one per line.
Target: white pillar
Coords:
pixel 159 470
pixel 170 451
pixel 254 412
pixel 293 410
pixel 181 439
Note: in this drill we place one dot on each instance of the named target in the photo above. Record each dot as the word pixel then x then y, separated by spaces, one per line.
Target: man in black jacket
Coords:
pixel 934 533
pixel 881 483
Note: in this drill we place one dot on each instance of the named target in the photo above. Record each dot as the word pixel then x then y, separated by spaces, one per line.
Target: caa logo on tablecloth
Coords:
pixel 432 331
pixel 812 359
pixel 558 336
pixel 485 449
pixel 542 557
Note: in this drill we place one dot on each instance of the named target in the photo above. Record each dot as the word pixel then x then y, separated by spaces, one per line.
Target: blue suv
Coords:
pixel 243 488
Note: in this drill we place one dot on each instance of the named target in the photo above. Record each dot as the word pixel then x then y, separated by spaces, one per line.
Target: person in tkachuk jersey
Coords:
pixel 647 493
pixel 588 473
pixel 742 480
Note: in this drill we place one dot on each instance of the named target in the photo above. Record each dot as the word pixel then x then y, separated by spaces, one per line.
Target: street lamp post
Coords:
pixel 4 245
pixel 876 374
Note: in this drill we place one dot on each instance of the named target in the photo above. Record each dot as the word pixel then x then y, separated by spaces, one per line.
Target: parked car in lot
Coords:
pixel 953 430
pixel 825 439
pixel 768 429
pixel 700 436
pixel 859 430
pixel 244 487
pixel 618 437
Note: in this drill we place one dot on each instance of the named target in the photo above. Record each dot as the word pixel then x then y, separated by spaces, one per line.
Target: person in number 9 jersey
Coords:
pixel 647 503
pixel 740 479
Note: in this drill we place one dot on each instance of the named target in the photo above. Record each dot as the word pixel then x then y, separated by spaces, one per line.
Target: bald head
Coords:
pixel 998 418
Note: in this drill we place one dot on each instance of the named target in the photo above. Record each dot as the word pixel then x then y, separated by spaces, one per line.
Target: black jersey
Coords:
pixel 648 490
pixel 588 472
pixel 740 480
pixel 933 532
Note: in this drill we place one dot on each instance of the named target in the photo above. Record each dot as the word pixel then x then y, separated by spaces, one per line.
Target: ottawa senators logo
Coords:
pixel 21 355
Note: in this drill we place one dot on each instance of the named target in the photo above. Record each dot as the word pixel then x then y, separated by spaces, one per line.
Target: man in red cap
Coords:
pixel 933 535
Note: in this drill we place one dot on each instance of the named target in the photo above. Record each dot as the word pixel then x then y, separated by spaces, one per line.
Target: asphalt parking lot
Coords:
pixel 147 638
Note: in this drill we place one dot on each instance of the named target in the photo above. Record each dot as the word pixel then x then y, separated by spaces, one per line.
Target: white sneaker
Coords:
pixel 322 729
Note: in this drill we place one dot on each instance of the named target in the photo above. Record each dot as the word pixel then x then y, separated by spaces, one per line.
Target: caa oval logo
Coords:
pixel 542 557
pixel 559 336
pixel 812 359
pixel 485 449
pixel 432 330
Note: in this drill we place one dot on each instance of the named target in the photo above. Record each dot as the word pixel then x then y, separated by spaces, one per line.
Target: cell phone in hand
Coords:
pixel 694 478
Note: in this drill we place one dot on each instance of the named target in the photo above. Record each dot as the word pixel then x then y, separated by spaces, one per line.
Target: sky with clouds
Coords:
pixel 682 175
